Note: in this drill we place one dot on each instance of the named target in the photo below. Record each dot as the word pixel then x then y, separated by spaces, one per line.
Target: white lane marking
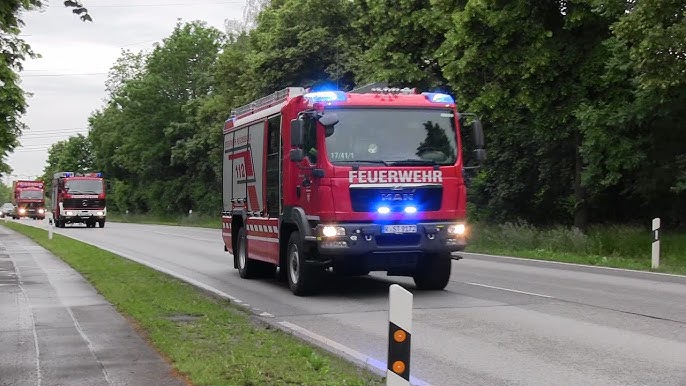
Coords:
pixel 183 236
pixel 90 345
pixel 347 350
pixel 39 375
pixel 509 290
pixel 573 264
pixel 266 315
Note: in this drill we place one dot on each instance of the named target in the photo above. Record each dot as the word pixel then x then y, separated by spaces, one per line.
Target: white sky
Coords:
pixel 68 81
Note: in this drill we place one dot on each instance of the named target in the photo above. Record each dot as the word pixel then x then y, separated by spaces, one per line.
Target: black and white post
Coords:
pixel 399 334
pixel 656 243
pixel 49 223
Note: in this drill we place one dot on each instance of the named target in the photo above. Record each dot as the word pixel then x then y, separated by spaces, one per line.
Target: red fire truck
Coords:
pixel 352 182
pixel 78 198
pixel 29 199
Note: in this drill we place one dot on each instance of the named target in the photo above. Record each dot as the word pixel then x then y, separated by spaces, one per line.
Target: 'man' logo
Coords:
pixel 397 197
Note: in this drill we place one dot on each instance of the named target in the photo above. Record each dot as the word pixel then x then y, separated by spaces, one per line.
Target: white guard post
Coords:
pixel 399 334
pixel 49 223
pixel 656 243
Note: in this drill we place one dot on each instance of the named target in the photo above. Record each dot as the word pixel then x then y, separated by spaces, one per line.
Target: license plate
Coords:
pixel 399 229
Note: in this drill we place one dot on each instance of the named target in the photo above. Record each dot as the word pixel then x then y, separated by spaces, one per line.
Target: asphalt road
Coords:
pixel 499 322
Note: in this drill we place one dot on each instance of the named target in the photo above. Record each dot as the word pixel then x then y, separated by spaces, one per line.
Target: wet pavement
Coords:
pixel 55 329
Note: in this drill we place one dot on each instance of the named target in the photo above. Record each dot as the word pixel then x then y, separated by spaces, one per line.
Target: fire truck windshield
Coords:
pixel 83 186
pixel 398 136
pixel 31 194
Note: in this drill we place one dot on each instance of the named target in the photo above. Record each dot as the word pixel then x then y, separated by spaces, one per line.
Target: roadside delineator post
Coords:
pixel 399 336
pixel 49 224
pixel 656 243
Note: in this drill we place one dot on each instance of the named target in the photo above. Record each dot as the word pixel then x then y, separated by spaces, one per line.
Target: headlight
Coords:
pixel 99 213
pixel 41 210
pixel 331 231
pixel 22 210
pixel 457 229
pixel 70 213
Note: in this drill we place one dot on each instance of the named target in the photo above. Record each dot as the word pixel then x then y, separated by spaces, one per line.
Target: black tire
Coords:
pixel 247 267
pixel 302 279
pixel 101 224
pixel 60 223
pixel 433 271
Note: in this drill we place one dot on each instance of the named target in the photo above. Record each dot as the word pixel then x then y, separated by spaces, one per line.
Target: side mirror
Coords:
pixel 297 132
pixel 478 134
pixel 329 120
pixel 297 155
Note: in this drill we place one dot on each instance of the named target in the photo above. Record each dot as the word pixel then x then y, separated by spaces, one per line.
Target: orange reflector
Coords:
pixel 399 367
pixel 400 336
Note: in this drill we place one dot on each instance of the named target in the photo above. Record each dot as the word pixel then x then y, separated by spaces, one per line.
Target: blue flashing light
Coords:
pixel 437 97
pixel 67 174
pixel 326 96
pixel 98 174
pixel 383 209
pixel 410 209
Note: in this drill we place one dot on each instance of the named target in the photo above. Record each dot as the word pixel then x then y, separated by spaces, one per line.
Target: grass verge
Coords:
pixel 193 220
pixel 207 339
pixel 609 246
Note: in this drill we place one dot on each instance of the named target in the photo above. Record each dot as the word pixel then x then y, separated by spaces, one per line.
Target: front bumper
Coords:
pixel 83 215
pixel 364 239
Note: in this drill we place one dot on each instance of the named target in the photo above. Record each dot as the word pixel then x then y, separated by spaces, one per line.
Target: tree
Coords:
pixel 399 42
pixel 523 65
pixel 145 136
pixel 71 155
pixel 289 49
pixel 13 51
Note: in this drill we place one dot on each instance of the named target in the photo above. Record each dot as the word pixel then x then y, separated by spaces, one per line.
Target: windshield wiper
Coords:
pixel 368 161
pixel 413 162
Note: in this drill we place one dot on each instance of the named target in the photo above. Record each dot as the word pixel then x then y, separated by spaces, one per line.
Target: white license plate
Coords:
pixel 399 229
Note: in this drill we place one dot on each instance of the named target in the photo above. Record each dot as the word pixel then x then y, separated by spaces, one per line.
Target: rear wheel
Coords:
pixel 302 279
pixel 433 271
pixel 249 268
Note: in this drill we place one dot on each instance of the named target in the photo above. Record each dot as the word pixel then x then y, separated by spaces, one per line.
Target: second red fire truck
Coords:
pixel 29 199
pixel 349 181
pixel 78 198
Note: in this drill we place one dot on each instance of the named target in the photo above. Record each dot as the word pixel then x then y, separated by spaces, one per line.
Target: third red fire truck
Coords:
pixel 79 198
pixel 346 181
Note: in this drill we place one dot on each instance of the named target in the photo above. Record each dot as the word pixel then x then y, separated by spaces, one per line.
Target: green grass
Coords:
pixel 611 246
pixel 208 340
pixel 194 220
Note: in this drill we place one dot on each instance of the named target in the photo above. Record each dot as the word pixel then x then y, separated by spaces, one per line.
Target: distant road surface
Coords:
pixel 500 321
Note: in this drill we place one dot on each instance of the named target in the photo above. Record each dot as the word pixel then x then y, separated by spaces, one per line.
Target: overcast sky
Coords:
pixel 68 81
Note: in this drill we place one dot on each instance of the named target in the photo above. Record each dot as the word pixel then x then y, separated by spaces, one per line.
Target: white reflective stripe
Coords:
pixel 400 309
pixel 265 239
pixel 393 379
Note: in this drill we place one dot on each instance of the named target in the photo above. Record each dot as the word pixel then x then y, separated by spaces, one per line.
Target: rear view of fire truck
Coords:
pixel 349 182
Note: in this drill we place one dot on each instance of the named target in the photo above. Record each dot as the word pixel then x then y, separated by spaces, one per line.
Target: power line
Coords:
pixel 164 5
pixel 54 130
pixel 65 74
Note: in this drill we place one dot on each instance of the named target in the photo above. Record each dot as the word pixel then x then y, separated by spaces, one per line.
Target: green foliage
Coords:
pixel 71 155
pixel 610 245
pixel 582 100
pixel 13 51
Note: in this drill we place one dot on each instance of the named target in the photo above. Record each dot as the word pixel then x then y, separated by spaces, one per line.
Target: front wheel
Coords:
pixel 433 271
pixel 101 223
pixel 302 280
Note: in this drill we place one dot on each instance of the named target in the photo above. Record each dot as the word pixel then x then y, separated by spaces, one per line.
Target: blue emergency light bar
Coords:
pixel 438 97
pixel 325 96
